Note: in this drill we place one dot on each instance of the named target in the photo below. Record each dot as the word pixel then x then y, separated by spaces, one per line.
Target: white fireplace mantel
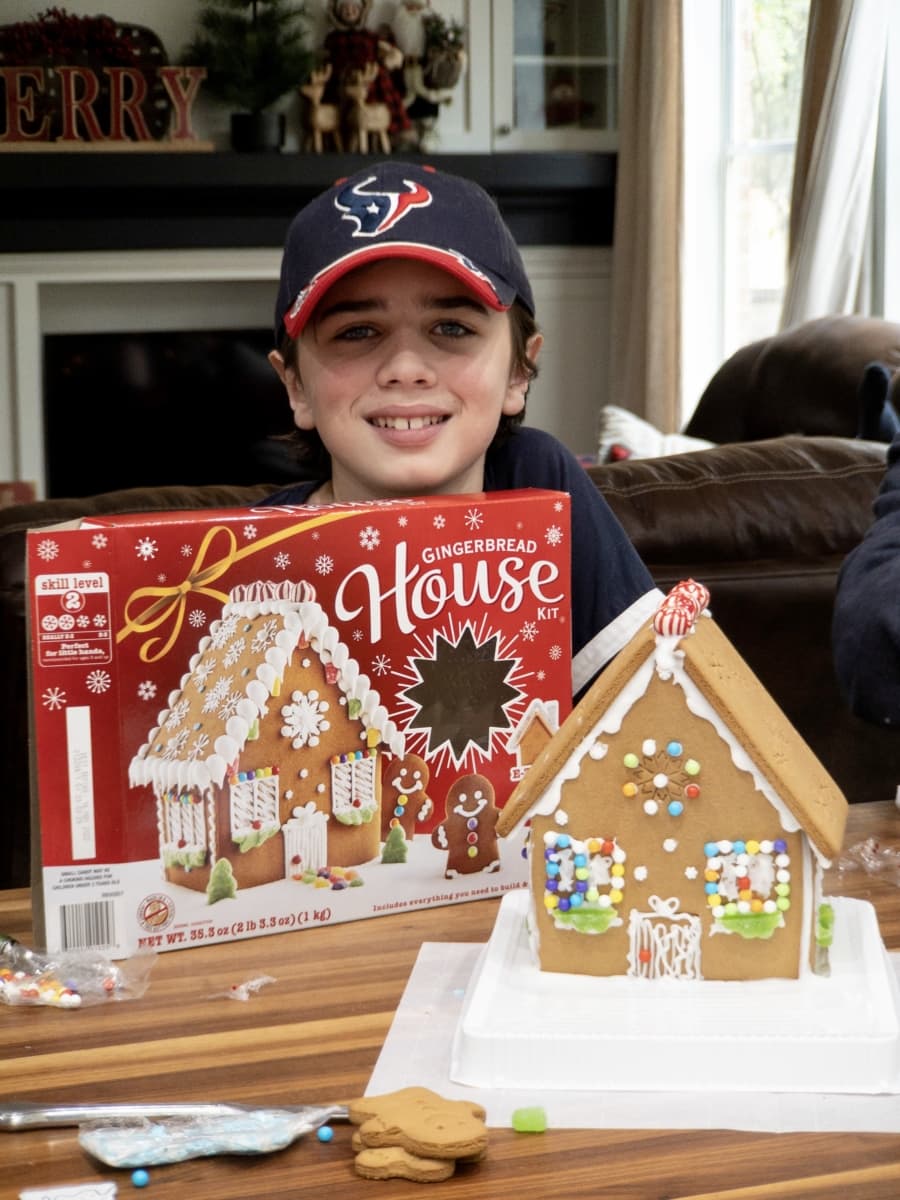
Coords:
pixel 132 290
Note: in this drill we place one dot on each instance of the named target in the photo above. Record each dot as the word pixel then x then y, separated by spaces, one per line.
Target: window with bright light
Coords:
pixel 763 50
pixel 743 81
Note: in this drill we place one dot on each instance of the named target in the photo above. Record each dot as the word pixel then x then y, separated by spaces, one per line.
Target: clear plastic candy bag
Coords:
pixel 72 979
pixel 874 857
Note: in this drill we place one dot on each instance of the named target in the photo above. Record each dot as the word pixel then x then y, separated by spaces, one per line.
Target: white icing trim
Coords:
pixel 606 644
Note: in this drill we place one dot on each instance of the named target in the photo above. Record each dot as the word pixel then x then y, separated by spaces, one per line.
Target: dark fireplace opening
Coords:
pixel 142 409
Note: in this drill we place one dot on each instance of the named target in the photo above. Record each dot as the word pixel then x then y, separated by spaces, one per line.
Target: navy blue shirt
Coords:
pixel 866 624
pixel 613 593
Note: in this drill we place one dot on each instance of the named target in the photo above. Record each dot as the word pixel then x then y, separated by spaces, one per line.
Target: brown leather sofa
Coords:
pixel 805 380
pixel 764 524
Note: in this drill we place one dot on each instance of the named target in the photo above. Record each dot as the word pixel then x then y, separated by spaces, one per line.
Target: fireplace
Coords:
pixel 140 368
pixel 197 406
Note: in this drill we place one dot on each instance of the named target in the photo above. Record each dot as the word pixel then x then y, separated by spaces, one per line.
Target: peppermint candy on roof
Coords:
pixel 679 610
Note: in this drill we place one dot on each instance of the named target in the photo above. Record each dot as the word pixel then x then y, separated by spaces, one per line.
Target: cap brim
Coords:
pixel 492 291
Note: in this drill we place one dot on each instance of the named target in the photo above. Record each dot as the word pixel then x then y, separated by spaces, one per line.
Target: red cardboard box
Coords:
pixel 253 720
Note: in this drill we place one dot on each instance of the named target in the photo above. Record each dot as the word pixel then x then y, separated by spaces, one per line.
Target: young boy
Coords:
pixel 407 340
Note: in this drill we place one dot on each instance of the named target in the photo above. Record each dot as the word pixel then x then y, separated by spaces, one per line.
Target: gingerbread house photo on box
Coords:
pixel 277 759
pixel 677 825
pixel 271 683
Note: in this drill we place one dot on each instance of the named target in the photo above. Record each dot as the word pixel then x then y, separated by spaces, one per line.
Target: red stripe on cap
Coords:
pixel 298 315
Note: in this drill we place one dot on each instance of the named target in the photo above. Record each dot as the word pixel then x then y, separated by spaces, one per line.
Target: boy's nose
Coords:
pixel 405 364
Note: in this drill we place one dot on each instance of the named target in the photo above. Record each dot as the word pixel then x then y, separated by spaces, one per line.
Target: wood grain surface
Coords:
pixel 318 1039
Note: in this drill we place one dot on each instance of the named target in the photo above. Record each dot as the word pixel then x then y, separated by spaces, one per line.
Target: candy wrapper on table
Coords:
pixel 250 721
pixel 72 980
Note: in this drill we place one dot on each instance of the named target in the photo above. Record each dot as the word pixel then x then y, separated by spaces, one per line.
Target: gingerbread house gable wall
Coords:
pixel 272 692
pixel 306 771
pixel 665 862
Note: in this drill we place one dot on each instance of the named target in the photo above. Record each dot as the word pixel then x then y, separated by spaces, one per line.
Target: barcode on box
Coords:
pixel 90 926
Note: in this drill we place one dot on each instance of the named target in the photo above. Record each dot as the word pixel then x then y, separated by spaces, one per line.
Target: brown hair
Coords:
pixel 309 450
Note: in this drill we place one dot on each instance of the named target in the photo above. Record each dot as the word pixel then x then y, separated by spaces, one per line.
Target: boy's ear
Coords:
pixel 517 388
pixel 294 388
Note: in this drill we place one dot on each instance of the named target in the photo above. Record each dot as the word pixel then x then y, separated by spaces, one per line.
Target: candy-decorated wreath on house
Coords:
pixel 677 824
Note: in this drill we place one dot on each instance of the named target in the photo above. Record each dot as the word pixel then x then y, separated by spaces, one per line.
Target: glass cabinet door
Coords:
pixel 556 74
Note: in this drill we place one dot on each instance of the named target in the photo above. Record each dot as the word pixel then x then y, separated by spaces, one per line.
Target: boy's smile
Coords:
pixel 405 374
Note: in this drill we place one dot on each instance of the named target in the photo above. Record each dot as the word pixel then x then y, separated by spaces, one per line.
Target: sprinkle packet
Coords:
pixel 69 979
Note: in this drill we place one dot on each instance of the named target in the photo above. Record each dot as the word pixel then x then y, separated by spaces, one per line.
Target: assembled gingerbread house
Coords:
pixel 269 752
pixel 677 824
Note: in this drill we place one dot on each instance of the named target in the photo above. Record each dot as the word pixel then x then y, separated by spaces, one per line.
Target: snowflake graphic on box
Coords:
pixel 54 698
pixel 460 694
pixel 146 548
pixel 47 549
pixel 369 538
pixel 98 682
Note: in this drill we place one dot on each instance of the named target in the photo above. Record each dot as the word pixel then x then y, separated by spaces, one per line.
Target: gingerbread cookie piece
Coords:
pixel 421 1122
pixel 392 1162
pixel 405 801
pixel 469 830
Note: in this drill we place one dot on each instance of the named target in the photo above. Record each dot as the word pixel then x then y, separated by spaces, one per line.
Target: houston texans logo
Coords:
pixel 377 212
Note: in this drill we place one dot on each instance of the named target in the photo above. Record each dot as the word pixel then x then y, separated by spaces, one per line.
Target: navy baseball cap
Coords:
pixel 398 210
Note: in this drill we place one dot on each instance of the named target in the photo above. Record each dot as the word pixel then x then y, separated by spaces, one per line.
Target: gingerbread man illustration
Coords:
pixel 405 801
pixel 469 830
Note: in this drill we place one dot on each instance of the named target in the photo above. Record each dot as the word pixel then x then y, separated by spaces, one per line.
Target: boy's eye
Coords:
pixel 452 329
pixel 356 333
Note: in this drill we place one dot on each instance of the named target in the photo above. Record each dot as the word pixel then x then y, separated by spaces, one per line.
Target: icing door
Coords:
pixel 664 943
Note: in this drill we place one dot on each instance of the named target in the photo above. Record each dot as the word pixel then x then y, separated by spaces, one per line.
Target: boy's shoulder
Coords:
pixel 528 458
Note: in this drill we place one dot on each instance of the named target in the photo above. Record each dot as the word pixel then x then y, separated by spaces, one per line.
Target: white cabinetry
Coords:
pixel 541 75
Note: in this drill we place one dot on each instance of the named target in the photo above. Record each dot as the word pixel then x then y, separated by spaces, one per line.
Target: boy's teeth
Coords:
pixel 405 422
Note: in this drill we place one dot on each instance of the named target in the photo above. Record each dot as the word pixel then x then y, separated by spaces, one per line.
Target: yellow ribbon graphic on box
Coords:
pixel 167 604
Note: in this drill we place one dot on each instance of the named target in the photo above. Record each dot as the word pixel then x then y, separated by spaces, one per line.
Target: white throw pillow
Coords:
pixel 624 434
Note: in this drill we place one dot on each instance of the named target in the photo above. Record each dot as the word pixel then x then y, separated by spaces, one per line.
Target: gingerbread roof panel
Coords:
pixel 235 675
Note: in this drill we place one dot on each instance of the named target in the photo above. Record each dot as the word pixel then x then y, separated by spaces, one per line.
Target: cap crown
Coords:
pixel 398 210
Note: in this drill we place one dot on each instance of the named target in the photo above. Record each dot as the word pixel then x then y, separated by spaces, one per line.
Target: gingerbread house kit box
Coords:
pixel 248 721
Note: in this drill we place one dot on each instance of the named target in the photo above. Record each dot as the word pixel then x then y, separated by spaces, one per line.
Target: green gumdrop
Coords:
pixel 529 1120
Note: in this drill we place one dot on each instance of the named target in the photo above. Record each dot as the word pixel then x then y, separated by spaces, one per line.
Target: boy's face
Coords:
pixel 405 374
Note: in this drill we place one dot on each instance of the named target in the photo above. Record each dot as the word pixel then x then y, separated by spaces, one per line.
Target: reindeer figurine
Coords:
pixel 319 119
pixel 363 121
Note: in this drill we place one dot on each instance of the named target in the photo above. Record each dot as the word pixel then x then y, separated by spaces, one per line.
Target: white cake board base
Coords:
pixel 524 1028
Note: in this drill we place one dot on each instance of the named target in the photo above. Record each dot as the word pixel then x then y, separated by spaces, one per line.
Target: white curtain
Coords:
pixel 645 350
pixel 831 200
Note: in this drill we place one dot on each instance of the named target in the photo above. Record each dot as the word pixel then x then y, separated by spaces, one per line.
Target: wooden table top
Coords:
pixel 318 1039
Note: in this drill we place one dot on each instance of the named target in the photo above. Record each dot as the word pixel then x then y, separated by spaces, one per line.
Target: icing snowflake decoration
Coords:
pixel 305 719
pixel 661 778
